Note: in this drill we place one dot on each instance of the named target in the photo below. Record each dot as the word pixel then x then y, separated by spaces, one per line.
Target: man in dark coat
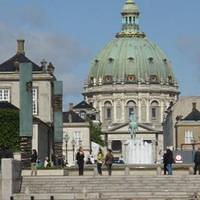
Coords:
pixel 80 161
pixel 165 162
pixel 169 161
pixel 197 161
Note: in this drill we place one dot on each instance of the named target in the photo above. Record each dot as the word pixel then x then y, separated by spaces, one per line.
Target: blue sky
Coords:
pixel 69 33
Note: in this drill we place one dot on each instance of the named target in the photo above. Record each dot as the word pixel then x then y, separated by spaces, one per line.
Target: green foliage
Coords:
pixel 95 134
pixel 9 129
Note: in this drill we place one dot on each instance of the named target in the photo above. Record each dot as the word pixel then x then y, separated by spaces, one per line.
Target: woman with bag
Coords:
pixel 109 160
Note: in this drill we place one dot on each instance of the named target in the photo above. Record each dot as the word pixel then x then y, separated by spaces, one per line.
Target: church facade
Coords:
pixel 131 74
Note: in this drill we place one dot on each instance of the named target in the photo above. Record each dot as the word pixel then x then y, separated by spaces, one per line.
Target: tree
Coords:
pixel 95 134
pixel 9 129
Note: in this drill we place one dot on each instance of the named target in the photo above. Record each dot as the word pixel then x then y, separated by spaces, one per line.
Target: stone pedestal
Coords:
pixel 58 149
pixel 26 150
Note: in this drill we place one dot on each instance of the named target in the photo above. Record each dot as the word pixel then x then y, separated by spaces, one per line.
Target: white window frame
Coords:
pixel 35 101
pixel 78 138
pixel 189 137
pixel 5 94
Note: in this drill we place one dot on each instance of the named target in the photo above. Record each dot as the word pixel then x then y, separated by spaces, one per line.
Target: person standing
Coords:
pixel 100 159
pixel 109 160
pixel 34 157
pixel 165 162
pixel 169 161
pixel 197 161
pixel 80 161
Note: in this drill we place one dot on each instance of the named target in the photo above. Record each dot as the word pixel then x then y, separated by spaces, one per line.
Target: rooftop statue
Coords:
pixel 133 125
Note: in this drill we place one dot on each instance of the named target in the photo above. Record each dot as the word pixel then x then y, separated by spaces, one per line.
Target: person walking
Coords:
pixel 108 161
pixel 169 161
pixel 80 161
pixel 100 159
pixel 34 157
pixel 197 161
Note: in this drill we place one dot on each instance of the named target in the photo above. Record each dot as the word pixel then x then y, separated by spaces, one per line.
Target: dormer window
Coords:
pixel 153 78
pixel 131 78
pixel 96 61
pixel 170 80
pixel 131 59
pixel 111 60
pixel 108 78
pixel 150 59
pixel 91 79
pixel 165 60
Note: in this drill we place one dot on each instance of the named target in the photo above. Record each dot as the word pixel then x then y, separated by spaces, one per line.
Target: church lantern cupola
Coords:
pixel 130 20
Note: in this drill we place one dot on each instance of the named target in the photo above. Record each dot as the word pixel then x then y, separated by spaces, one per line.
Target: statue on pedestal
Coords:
pixel 133 125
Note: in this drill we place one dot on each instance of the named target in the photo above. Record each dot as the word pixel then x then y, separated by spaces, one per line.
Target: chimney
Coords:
pixel 194 106
pixel 71 106
pixel 20 46
pixel 70 117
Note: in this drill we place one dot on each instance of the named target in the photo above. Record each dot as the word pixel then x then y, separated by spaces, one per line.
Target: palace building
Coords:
pixel 42 97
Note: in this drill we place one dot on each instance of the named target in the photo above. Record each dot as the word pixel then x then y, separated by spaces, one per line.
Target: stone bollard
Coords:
pixel 191 170
pixel 65 172
pixel 11 177
pixel 127 171
pixel 158 170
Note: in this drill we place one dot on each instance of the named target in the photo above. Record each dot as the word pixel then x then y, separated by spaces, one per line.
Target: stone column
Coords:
pixel 114 110
pixel 139 110
pixel 100 111
pixel 161 110
pixel 123 110
pixel 148 111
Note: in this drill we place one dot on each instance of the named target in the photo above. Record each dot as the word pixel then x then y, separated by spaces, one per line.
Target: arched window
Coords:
pixel 131 107
pixel 108 110
pixel 155 111
pixel 116 146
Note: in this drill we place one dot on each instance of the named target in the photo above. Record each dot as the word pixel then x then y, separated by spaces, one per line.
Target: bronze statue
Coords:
pixel 133 125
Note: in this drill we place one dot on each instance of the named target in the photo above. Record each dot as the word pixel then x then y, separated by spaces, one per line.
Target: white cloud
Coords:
pixel 65 53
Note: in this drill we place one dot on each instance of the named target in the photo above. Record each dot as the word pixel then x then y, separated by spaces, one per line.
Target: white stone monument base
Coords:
pixel 138 152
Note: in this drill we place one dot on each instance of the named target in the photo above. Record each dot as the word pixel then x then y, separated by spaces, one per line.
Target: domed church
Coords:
pixel 131 74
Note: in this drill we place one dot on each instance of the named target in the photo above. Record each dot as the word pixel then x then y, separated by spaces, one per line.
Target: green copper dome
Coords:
pixel 130 57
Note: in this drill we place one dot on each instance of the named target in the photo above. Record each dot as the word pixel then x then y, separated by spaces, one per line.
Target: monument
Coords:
pixel 137 151
pixel 26 118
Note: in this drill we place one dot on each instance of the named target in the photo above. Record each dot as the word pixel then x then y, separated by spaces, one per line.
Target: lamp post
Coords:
pixel 80 142
pixel 73 147
pixel 66 138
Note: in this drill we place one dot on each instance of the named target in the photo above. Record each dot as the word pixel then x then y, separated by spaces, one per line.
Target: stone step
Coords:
pixel 106 196
pixel 109 188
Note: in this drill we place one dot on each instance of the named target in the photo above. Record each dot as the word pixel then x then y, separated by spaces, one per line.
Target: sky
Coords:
pixel 70 33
